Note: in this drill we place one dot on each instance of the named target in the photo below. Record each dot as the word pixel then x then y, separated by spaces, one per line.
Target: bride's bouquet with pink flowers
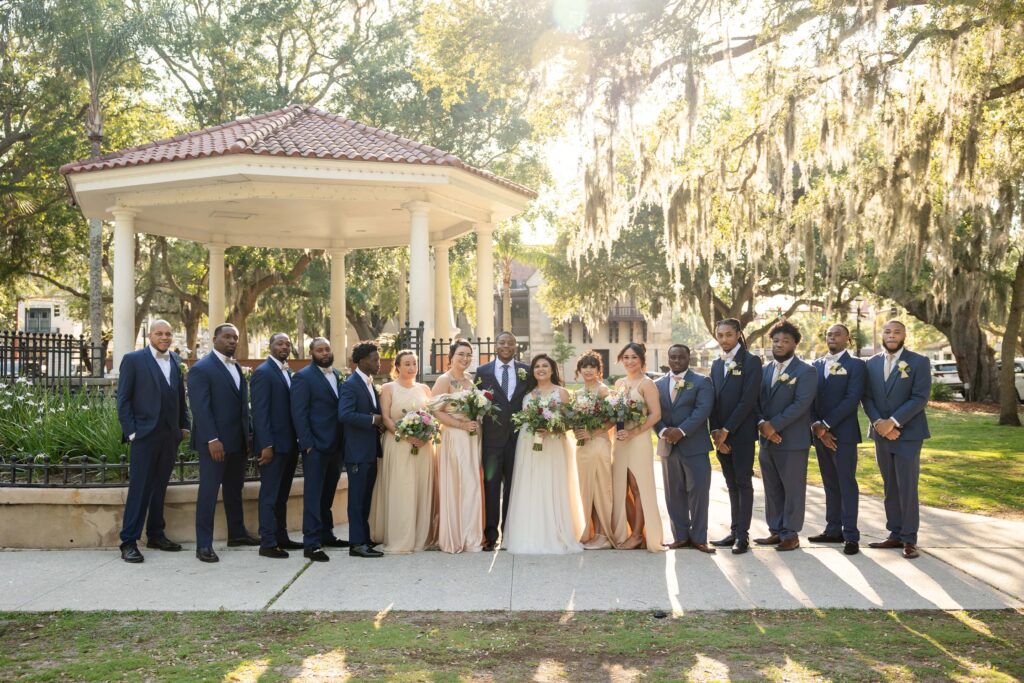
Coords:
pixel 587 412
pixel 625 410
pixel 418 424
pixel 539 415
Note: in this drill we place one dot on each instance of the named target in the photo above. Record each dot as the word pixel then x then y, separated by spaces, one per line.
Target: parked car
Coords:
pixel 1018 377
pixel 945 372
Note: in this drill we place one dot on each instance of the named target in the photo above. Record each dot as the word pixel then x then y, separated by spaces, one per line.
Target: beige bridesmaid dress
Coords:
pixel 594 462
pixel 460 489
pixel 635 456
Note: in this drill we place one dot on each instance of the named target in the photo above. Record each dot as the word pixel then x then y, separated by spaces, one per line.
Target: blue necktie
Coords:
pixel 504 381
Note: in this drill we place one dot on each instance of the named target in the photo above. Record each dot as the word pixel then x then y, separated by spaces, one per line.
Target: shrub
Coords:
pixel 941 392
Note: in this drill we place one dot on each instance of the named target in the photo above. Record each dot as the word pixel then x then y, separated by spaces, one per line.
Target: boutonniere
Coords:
pixel 683 386
pixel 904 369
pixel 183 368
pixel 246 371
pixel 521 374
pixel 786 378
pixel 376 389
pixel 837 369
pixel 733 369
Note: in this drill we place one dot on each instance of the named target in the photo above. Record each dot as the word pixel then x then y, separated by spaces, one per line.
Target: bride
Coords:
pixel 545 513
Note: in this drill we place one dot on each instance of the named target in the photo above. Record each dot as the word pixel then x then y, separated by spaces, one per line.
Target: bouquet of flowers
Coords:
pixel 475 404
pixel 539 415
pixel 625 410
pixel 587 412
pixel 418 424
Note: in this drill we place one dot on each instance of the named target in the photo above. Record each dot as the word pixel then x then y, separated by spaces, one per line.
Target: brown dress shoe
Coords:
pixel 887 543
pixel 705 548
pixel 910 551
pixel 791 543
pixel 770 540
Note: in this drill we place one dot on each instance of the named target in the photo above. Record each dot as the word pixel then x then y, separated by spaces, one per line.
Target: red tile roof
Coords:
pixel 295 131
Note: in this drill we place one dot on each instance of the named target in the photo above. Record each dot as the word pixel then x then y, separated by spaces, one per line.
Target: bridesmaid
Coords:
pixel 594 461
pixel 460 497
pixel 636 521
pixel 401 513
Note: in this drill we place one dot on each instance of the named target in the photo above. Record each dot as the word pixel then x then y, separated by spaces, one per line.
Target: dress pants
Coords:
pixel 498 463
pixel 150 467
pixel 230 473
pixel 687 493
pixel 361 478
pixel 738 470
pixel 275 485
pixel 784 475
pixel 842 496
pixel 321 473
pixel 900 465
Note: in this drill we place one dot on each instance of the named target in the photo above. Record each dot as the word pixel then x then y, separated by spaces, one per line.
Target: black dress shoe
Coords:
pixel 206 555
pixel 489 546
pixel 243 540
pixel 315 554
pixel 724 542
pixel 364 551
pixel 336 543
pixel 826 538
pixel 130 553
pixel 289 544
pixel 163 544
pixel 851 548
pixel 275 553
pixel 741 546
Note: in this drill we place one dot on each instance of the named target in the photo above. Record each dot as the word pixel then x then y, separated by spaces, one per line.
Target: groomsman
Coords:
pixel 219 397
pixel 684 446
pixel 151 410
pixel 506 378
pixel 274 440
pixel 898 386
pixel 836 435
pixel 359 412
pixel 788 389
pixel 736 376
pixel 314 403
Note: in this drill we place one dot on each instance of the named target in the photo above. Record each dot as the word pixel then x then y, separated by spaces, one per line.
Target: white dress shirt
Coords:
pixel 781 369
pixel 893 359
pixel 164 361
pixel 512 378
pixel 673 380
pixel 726 357
pixel 830 360
pixel 284 371
pixel 332 379
pixel 369 386
pixel 232 365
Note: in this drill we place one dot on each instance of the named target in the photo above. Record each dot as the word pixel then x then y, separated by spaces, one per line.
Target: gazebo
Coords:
pixel 300 178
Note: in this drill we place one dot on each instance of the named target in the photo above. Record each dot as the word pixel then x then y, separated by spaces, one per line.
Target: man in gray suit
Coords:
pixel 684 446
pixel 788 389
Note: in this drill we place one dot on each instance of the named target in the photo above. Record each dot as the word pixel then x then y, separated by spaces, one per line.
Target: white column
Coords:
pixel 125 331
pixel 444 321
pixel 484 280
pixel 420 304
pixel 215 287
pixel 339 319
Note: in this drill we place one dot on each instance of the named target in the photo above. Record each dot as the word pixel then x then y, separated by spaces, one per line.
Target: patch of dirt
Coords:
pixel 969 407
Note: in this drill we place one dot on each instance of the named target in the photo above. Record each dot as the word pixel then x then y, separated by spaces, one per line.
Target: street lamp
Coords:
pixel 859 301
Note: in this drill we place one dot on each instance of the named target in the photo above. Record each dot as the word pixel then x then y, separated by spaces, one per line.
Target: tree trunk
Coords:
pixel 1008 399
pixel 975 359
pixel 300 334
pixel 95 249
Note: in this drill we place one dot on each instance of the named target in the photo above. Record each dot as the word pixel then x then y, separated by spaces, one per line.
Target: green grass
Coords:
pixel 785 645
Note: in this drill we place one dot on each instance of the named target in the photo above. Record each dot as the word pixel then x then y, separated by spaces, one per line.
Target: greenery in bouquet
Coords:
pixel 625 410
pixel 587 412
pixel 417 424
pixel 539 416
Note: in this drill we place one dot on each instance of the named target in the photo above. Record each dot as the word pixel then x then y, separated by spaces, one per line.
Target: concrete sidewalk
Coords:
pixel 968 562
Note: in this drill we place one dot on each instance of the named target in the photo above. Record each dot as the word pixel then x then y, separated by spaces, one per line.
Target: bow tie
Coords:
pixel 230 360
pixel 163 356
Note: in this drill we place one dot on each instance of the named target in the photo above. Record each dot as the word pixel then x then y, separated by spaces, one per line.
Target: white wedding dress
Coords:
pixel 545 511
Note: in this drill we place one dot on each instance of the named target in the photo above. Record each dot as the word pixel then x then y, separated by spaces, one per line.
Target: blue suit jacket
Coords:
pixel 838 398
pixel 355 412
pixel 497 430
pixel 899 398
pixel 315 410
pixel 140 391
pixel 271 409
pixel 688 410
pixel 787 404
pixel 736 397
pixel 219 409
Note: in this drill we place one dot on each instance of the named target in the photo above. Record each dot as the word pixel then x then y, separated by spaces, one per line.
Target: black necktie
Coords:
pixel 504 381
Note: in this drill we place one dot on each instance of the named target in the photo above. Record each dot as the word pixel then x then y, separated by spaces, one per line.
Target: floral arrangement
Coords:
pixel 418 424
pixel 539 415
pixel 475 404
pixel 587 412
pixel 626 410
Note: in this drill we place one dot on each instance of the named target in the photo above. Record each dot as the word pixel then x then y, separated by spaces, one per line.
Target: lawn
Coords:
pixel 620 646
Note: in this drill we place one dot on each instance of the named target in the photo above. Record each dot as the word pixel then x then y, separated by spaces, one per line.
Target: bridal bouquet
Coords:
pixel 625 410
pixel 475 404
pixel 418 424
pixel 587 412
pixel 539 415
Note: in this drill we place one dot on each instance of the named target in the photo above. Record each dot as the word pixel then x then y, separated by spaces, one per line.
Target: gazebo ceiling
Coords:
pixel 297 177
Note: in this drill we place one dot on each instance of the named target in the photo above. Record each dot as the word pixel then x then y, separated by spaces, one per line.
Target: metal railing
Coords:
pixel 433 357
pixel 50 358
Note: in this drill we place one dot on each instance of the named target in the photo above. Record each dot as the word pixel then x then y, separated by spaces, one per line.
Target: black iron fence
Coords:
pixel 50 358
pixel 433 357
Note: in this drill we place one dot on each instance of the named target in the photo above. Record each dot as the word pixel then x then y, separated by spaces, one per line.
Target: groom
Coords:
pixel 506 378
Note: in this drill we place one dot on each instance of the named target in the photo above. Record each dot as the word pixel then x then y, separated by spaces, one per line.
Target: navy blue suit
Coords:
pixel 786 405
pixel 272 428
pixel 498 445
pixel 220 410
pixel 736 395
pixel 685 465
pixel 362 447
pixel 152 413
pixel 902 397
pixel 315 416
pixel 839 396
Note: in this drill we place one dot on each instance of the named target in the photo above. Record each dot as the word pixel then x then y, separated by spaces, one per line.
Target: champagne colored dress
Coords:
pixel 636 456
pixel 402 510
pixel 460 487
pixel 594 462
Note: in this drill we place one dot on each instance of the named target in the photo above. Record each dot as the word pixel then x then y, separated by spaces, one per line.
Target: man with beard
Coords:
pixel 899 384
pixel 314 403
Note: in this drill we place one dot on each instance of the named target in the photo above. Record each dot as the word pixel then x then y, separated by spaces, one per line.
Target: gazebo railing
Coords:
pixel 433 356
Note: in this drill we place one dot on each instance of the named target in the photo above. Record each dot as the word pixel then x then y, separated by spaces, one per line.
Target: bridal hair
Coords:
pixel 637 348
pixel 364 349
pixel 590 359
pixel 785 327
pixel 398 361
pixel 734 324
pixel 455 347
pixel 531 381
